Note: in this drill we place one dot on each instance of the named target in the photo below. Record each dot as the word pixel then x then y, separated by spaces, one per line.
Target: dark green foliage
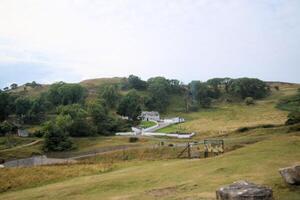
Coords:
pixel 13 86
pixel 23 105
pixel 134 82
pixel 291 103
pixel 33 84
pixel 215 84
pixel 38 133
pixel 130 105
pixel 159 89
pixel 56 134
pixel 4 105
pixel 80 126
pixel 201 93
pixel 63 93
pixel 244 129
pixel 36 113
pixel 133 139
pixel 293 118
pixel 104 123
pixel 249 87
pixel 294 128
pixel 249 101
pixel 111 95
pixel 6 127
pixel 175 86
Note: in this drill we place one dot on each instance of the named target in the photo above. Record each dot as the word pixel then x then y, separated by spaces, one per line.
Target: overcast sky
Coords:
pixel 72 40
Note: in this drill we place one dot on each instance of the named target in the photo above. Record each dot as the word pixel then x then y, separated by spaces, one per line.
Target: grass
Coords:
pixel 13 141
pixel 175 128
pixel 255 154
pixel 182 179
pixel 81 146
pixel 147 124
pixel 20 178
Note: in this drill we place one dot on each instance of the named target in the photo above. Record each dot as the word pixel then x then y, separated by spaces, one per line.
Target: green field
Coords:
pixel 147 124
pixel 177 179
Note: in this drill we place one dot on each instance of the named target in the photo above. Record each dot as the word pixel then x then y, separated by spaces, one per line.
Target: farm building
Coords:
pixel 148 116
pixel 23 133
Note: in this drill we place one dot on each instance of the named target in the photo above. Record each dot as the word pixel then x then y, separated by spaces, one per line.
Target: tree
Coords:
pixel 63 94
pixel 159 89
pixel 136 83
pixel 201 93
pixel 130 105
pixel 5 128
pixel 110 95
pixel 104 122
pixel 23 105
pixel 249 87
pixel 175 86
pixel 13 86
pixel 4 105
pixel 79 126
pixel 36 113
pixel 56 134
pixel 215 84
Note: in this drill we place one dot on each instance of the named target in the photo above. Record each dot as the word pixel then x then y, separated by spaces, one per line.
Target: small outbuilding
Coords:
pixel 23 133
pixel 150 116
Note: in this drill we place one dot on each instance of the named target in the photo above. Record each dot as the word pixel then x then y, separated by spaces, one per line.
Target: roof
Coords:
pixel 150 113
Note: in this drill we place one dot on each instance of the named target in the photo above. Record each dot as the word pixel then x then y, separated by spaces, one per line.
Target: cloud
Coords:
pixel 192 39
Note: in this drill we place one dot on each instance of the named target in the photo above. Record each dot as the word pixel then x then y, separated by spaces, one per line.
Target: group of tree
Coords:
pixel 65 111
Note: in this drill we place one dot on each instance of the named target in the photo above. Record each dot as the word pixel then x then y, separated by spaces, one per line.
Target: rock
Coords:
pixel 243 190
pixel 291 175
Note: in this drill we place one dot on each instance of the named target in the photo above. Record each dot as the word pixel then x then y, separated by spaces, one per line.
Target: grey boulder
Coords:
pixel 244 190
pixel 291 175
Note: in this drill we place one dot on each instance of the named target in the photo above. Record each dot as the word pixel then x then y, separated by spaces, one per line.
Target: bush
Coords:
pixel 133 139
pixel 294 128
pixel 38 133
pixel 243 129
pixel 57 135
pixel 249 101
pixel 293 118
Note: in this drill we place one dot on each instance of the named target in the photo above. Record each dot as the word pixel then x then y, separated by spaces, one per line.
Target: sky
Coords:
pixel 73 40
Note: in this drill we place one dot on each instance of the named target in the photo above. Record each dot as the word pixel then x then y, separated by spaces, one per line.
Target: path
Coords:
pixel 24 145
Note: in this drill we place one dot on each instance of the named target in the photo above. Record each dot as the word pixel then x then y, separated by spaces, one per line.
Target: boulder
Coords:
pixel 244 190
pixel 291 175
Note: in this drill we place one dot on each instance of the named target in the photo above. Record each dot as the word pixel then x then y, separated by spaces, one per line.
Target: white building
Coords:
pixel 148 116
pixel 23 133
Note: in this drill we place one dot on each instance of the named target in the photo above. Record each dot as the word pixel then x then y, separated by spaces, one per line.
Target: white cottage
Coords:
pixel 23 133
pixel 150 116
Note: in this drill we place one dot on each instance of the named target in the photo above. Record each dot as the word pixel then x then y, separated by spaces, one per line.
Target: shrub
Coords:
pixel 293 118
pixel 243 129
pixel 133 139
pixel 38 133
pixel 249 101
pixel 294 128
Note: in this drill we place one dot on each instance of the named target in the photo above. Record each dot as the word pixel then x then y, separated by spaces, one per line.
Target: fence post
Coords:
pixel 189 150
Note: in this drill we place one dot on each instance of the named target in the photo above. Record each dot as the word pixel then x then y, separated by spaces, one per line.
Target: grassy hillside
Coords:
pixel 223 118
pixel 155 173
pixel 181 179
